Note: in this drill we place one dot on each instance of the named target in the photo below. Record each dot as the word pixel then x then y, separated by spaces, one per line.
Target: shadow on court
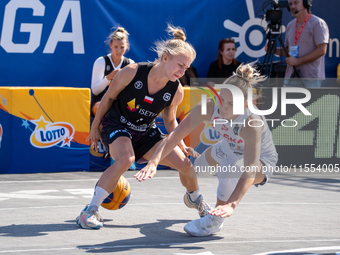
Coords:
pixel 154 235
pixel 29 230
pixel 319 183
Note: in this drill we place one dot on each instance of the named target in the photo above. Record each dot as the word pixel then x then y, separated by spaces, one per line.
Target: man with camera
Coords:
pixel 306 42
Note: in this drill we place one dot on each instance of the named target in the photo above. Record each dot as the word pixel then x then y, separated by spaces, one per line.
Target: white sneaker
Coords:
pixel 204 226
pixel 90 218
pixel 200 204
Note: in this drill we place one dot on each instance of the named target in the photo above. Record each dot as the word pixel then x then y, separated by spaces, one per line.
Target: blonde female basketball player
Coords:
pixel 106 67
pixel 138 93
pixel 244 155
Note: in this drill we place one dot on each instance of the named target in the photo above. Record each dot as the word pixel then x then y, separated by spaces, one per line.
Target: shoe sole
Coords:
pixel 198 235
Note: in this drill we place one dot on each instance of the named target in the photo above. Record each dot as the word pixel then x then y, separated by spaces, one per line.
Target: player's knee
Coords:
pixel 125 161
pixel 203 168
pixel 187 165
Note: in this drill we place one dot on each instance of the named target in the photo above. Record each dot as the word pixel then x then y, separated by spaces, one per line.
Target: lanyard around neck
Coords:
pixel 297 35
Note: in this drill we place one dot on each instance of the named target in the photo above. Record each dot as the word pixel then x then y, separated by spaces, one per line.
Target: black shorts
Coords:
pixel 142 142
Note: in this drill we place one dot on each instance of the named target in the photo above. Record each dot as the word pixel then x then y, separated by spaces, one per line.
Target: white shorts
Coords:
pixel 230 161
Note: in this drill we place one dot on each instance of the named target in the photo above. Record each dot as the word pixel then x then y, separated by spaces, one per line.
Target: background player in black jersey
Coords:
pixel 137 94
pixel 106 67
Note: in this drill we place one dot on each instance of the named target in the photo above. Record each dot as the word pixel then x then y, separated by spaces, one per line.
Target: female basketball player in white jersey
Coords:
pixel 243 156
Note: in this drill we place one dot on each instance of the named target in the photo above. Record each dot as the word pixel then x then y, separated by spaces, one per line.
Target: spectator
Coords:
pixel 190 73
pixel 226 63
pixel 106 67
pixel 306 41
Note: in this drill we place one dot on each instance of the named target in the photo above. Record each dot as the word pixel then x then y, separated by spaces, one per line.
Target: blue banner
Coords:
pixel 55 43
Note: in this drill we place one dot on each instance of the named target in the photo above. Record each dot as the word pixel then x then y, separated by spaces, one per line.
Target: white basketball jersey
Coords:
pixel 230 133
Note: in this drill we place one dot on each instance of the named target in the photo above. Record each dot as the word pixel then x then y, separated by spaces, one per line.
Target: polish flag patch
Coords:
pixel 148 99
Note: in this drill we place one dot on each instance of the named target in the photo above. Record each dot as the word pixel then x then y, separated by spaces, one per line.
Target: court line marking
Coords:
pixel 82 205
pixel 183 244
pixel 78 180
pixel 137 204
pixel 303 250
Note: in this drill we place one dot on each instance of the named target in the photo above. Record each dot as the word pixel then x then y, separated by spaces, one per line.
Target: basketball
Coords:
pixel 119 197
pixel 95 108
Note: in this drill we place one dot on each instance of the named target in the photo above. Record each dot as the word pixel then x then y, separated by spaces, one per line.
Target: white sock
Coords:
pixel 99 195
pixel 194 194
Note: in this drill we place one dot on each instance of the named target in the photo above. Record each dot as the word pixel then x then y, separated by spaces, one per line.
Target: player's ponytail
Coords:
pixel 175 46
pixel 246 76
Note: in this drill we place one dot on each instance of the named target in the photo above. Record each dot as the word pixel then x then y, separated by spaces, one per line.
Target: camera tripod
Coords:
pixel 267 65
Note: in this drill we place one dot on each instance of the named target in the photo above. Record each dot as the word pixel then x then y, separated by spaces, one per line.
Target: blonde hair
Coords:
pixel 246 76
pixel 119 34
pixel 175 46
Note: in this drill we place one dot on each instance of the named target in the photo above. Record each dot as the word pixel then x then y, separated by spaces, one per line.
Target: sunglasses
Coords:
pixel 229 39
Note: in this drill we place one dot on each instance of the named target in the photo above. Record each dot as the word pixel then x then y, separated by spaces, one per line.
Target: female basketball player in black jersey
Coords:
pixel 106 67
pixel 142 91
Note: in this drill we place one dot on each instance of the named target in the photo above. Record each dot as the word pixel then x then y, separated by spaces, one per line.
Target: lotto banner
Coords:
pixel 44 129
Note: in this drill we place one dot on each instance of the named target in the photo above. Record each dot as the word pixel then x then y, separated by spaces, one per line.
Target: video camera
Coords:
pixel 274 14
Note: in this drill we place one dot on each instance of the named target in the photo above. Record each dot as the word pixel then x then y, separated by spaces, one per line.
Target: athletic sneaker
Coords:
pixel 199 204
pixel 204 226
pixel 90 218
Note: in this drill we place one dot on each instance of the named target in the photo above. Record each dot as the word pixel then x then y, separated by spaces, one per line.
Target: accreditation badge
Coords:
pixel 294 51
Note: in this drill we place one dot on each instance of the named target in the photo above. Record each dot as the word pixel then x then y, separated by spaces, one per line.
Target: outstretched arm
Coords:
pixel 168 144
pixel 252 171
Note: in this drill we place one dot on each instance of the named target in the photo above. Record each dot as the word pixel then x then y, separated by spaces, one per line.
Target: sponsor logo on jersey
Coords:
pixel 236 129
pixel 48 134
pixel 166 96
pixel 224 127
pixel 153 133
pixel 122 119
pixel 231 139
pixel 220 153
pixel 132 105
pixel 148 99
pixel 132 108
pixel 119 131
pixel 138 84
pixel 147 113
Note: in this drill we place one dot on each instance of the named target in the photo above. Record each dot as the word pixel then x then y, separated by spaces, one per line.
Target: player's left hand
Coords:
pixel 148 171
pixel 222 211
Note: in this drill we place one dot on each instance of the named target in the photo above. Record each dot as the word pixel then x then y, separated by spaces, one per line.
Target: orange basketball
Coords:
pixel 95 108
pixel 119 197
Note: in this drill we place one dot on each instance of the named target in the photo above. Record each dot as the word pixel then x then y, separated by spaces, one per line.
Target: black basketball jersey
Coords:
pixel 108 69
pixel 134 107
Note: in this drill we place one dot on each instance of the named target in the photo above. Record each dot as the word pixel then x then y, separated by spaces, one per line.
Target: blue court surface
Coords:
pixel 292 214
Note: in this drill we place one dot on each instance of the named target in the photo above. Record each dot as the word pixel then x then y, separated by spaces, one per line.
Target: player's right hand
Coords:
pixel 93 137
pixel 148 171
pixel 194 153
